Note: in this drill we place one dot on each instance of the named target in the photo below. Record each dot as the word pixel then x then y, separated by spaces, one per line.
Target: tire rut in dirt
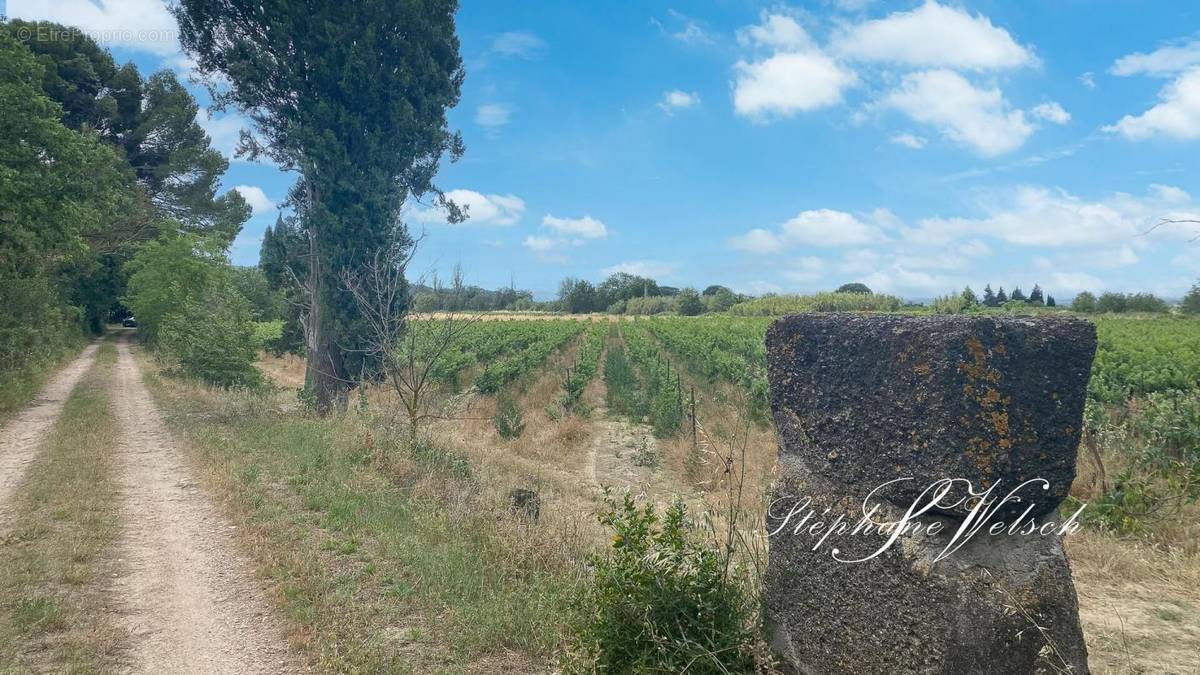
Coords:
pixel 190 601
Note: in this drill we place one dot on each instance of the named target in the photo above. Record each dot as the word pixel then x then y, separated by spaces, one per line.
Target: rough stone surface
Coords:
pixel 861 400
pixel 994 606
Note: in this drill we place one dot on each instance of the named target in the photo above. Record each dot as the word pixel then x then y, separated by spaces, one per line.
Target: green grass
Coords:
pixel 18 387
pixel 53 557
pixel 384 557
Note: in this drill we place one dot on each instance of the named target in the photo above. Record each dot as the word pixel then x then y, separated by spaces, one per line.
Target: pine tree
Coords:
pixel 1001 297
pixel 989 296
pixel 969 297
pixel 1050 301
pixel 1017 295
pixel 1035 296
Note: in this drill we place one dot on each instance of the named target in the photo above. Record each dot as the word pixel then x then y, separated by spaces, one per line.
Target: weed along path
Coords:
pixel 22 436
pixel 190 603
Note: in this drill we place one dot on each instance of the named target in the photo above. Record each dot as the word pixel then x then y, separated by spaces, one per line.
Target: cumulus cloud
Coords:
pixel 796 78
pixel 586 227
pixel 789 83
pixel 979 119
pixel 676 99
pixel 933 35
pixel 481 209
pixel 821 227
pixel 492 115
pixel 653 269
pixel 258 200
pixel 1177 114
pixel 1051 112
pixel 777 31
pixel 521 44
pixel 143 25
pixel 1162 62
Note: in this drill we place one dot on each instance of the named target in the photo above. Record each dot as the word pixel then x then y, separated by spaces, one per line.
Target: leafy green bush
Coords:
pixel 661 601
pixel 212 338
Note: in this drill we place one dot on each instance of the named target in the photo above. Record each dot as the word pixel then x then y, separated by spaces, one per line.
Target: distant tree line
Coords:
pixel 1119 303
pixel 624 293
pixel 999 298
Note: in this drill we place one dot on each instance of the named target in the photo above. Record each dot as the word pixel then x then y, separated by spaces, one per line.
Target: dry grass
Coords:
pixel 1139 598
pixel 385 558
pixel 53 561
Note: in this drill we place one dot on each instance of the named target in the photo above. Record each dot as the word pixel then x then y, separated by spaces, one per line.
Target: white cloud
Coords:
pixel 899 279
pixel 492 115
pixel 539 244
pixel 909 141
pixel 1088 80
pixel 481 209
pixel 1162 62
pixel 796 77
pixel 676 99
pixel 778 32
pixel 224 131
pixel 586 227
pixel 788 83
pixel 522 44
pixel 1037 216
pixel 859 261
pixel 1051 112
pixel 143 25
pixel 1176 116
pixel 257 199
pixel 977 118
pixel 821 227
pixel 653 269
pixel 1074 282
pixel 547 249
pixel 806 269
pixel 933 35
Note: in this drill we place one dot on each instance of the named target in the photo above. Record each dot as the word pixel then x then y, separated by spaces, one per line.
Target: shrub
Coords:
pixel 661 601
pixel 688 302
pixel 212 338
pixel 509 420
pixel 1084 302
pixel 655 304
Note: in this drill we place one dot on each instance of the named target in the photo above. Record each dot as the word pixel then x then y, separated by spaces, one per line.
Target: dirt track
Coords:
pixel 190 601
pixel 22 437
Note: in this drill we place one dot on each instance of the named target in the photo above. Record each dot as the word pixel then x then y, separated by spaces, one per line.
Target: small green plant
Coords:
pixel 661 600
pixel 646 456
pixel 509 420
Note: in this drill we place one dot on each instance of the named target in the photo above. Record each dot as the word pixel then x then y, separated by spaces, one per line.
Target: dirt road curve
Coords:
pixel 22 437
pixel 190 602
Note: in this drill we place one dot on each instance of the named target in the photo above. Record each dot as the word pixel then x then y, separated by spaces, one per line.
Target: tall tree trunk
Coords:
pixel 325 375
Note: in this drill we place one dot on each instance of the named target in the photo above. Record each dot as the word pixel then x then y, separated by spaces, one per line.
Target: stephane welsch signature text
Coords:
pixel 979 510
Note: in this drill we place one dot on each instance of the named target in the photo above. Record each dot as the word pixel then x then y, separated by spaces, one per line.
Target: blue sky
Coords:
pixel 914 146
